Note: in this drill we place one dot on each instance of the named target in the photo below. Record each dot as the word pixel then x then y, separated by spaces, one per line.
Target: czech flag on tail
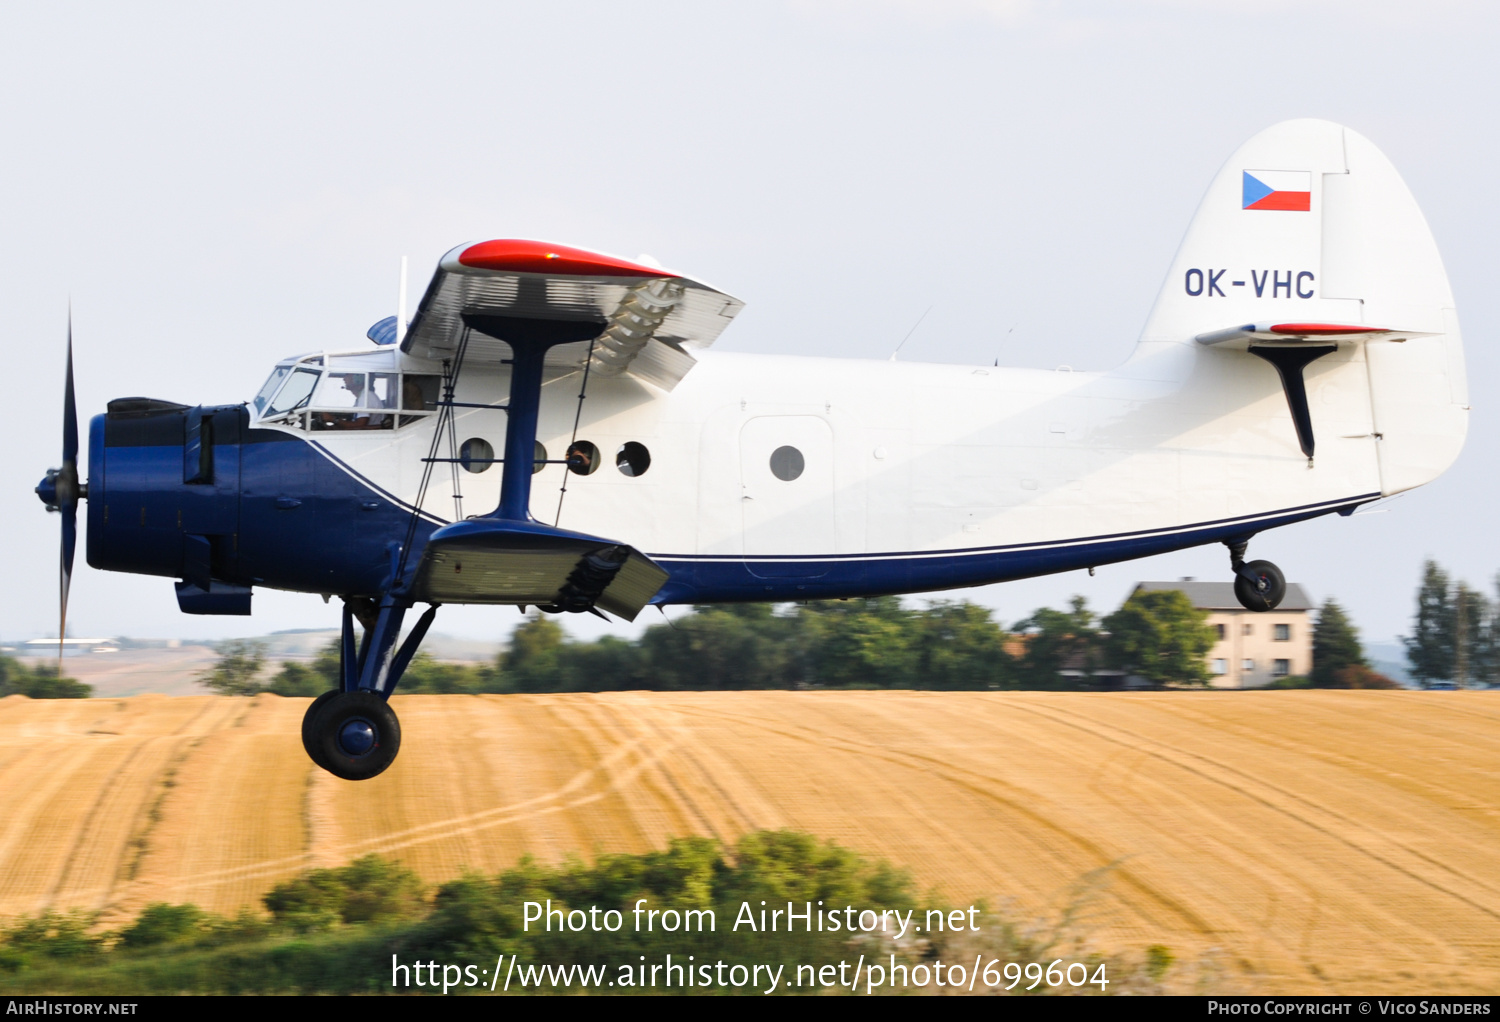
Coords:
pixel 1278 189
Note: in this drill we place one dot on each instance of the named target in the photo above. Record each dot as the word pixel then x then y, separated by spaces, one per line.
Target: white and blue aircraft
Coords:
pixel 552 429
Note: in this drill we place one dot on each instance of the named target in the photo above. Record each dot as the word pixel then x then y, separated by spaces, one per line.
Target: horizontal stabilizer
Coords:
pixel 1302 333
pixel 495 561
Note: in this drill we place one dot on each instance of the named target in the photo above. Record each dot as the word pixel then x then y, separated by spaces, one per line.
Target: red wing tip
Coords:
pixel 1325 329
pixel 519 256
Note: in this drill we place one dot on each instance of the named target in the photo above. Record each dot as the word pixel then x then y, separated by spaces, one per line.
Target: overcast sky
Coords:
pixel 217 186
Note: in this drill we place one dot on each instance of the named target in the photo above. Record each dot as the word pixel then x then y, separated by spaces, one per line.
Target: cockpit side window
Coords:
pixel 419 393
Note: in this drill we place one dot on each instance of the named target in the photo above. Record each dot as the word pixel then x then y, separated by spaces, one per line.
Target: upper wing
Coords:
pixel 631 304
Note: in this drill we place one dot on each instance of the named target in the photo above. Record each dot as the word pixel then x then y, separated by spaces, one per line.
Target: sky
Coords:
pixel 214 187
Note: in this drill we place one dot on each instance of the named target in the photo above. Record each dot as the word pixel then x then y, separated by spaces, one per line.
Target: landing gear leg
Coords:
pixel 1258 585
pixel 353 733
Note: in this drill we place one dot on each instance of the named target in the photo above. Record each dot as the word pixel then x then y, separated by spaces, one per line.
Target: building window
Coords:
pixel 1282 668
pixel 1247 665
pixel 1283 633
pixel 1220 630
pixel 1219 667
pixel 1249 630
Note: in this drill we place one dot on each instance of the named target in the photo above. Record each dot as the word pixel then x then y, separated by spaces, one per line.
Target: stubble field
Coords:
pixel 1316 842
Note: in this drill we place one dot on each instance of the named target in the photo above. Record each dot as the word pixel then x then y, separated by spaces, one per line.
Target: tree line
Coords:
pixel 882 643
pixel 875 643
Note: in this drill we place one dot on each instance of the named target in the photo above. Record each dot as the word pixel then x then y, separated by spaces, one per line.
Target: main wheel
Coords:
pixel 308 734
pixel 356 735
pixel 1259 586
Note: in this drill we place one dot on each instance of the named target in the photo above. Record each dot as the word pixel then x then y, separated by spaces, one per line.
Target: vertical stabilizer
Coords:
pixel 1309 224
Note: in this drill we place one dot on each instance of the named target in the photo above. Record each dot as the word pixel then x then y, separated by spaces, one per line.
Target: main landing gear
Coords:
pixel 352 732
pixel 1258 585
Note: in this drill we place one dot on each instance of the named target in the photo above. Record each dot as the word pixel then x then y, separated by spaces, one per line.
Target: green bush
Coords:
pixel 368 890
pixel 39 682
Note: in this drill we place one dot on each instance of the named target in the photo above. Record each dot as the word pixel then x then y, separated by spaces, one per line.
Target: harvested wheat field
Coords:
pixel 1306 841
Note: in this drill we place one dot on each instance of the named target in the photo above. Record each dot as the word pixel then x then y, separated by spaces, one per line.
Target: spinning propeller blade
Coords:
pixel 67 496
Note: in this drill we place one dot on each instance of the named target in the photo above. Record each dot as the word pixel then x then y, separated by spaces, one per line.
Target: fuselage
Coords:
pixel 900 477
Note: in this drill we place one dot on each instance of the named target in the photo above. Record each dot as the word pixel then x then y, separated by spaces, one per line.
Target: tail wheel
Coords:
pixel 355 735
pixel 1259 586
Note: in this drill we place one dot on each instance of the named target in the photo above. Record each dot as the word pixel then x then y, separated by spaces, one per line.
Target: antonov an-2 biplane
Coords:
pixel 552 430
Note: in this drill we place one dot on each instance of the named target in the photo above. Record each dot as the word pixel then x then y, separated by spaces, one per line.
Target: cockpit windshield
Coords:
pixel 277 375
pixel 296 392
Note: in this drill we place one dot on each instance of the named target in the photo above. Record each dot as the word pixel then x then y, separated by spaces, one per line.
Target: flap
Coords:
pixel 488 560
pixel 643 320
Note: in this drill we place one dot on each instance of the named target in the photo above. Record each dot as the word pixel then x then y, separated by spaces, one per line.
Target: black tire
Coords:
pixel 1259 586
pixel 308 733
pixel 356 735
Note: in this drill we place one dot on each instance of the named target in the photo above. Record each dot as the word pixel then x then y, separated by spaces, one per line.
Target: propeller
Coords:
pixel 61 491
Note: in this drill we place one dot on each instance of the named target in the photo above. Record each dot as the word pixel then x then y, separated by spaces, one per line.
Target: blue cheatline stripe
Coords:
pixel 1264 519
pixel 729 578
pixel 1254 190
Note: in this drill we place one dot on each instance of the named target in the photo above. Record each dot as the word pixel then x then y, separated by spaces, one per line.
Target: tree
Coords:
pixel 531 662
pixel 958 646
pixel 725 646
pixel 1431 650
pixel 1056 639
pixel 864 643
pixel 1160 636
pixel 237 672
pixel 1471 632
pixel 1335 646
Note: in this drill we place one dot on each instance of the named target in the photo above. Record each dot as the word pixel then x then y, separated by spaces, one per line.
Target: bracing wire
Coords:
pixel 453 466
pixel 445 413
pixel 577 417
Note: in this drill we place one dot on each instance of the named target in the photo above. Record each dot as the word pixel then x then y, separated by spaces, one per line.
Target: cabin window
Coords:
pixel 1283 633
pixel 633 459
pixel 476 455
pixel 787 463
pixel 583 458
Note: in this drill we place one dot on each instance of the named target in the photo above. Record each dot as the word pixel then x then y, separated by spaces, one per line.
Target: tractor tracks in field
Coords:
pixel 987 788
pixel 1242 783
pixel 613 771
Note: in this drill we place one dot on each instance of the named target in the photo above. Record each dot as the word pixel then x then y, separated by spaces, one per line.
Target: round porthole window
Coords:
pixel 787 463
pixel 538 458
pixel 476 455
pixel 633 459
pixel 583 458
